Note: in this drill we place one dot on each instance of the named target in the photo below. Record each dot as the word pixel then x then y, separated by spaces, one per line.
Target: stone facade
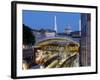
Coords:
pixel 85 49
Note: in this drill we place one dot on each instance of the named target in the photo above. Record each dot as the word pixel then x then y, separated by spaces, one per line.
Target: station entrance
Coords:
pixel 56 53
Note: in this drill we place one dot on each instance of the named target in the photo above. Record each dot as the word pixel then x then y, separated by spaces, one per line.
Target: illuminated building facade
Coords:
pixel 85 52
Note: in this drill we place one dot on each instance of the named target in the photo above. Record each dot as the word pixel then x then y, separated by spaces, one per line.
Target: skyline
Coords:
pixel 46 20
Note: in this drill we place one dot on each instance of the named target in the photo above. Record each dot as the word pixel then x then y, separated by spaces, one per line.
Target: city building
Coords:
pixel 50 33
pixel 76 34
pixel 68 30
pixel 43 33
pixel 85 49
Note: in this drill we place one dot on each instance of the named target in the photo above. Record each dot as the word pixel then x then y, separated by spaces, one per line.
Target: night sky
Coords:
pixel 45 20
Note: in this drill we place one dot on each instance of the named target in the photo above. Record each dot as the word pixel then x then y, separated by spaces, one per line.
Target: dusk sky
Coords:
pixel 44 19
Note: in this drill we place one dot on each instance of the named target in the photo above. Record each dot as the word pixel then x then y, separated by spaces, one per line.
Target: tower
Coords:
pixel 55 24
pixel 80 26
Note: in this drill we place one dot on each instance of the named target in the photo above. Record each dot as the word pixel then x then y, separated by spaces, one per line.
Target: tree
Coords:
pixel 28 36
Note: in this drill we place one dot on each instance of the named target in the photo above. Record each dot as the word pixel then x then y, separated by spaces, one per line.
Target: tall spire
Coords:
pixel 55 24
pixel 80 26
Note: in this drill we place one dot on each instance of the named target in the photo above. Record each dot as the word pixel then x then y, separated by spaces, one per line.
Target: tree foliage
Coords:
pixel 28 36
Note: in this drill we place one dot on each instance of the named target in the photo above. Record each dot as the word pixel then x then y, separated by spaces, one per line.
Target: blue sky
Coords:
pixel 45 19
